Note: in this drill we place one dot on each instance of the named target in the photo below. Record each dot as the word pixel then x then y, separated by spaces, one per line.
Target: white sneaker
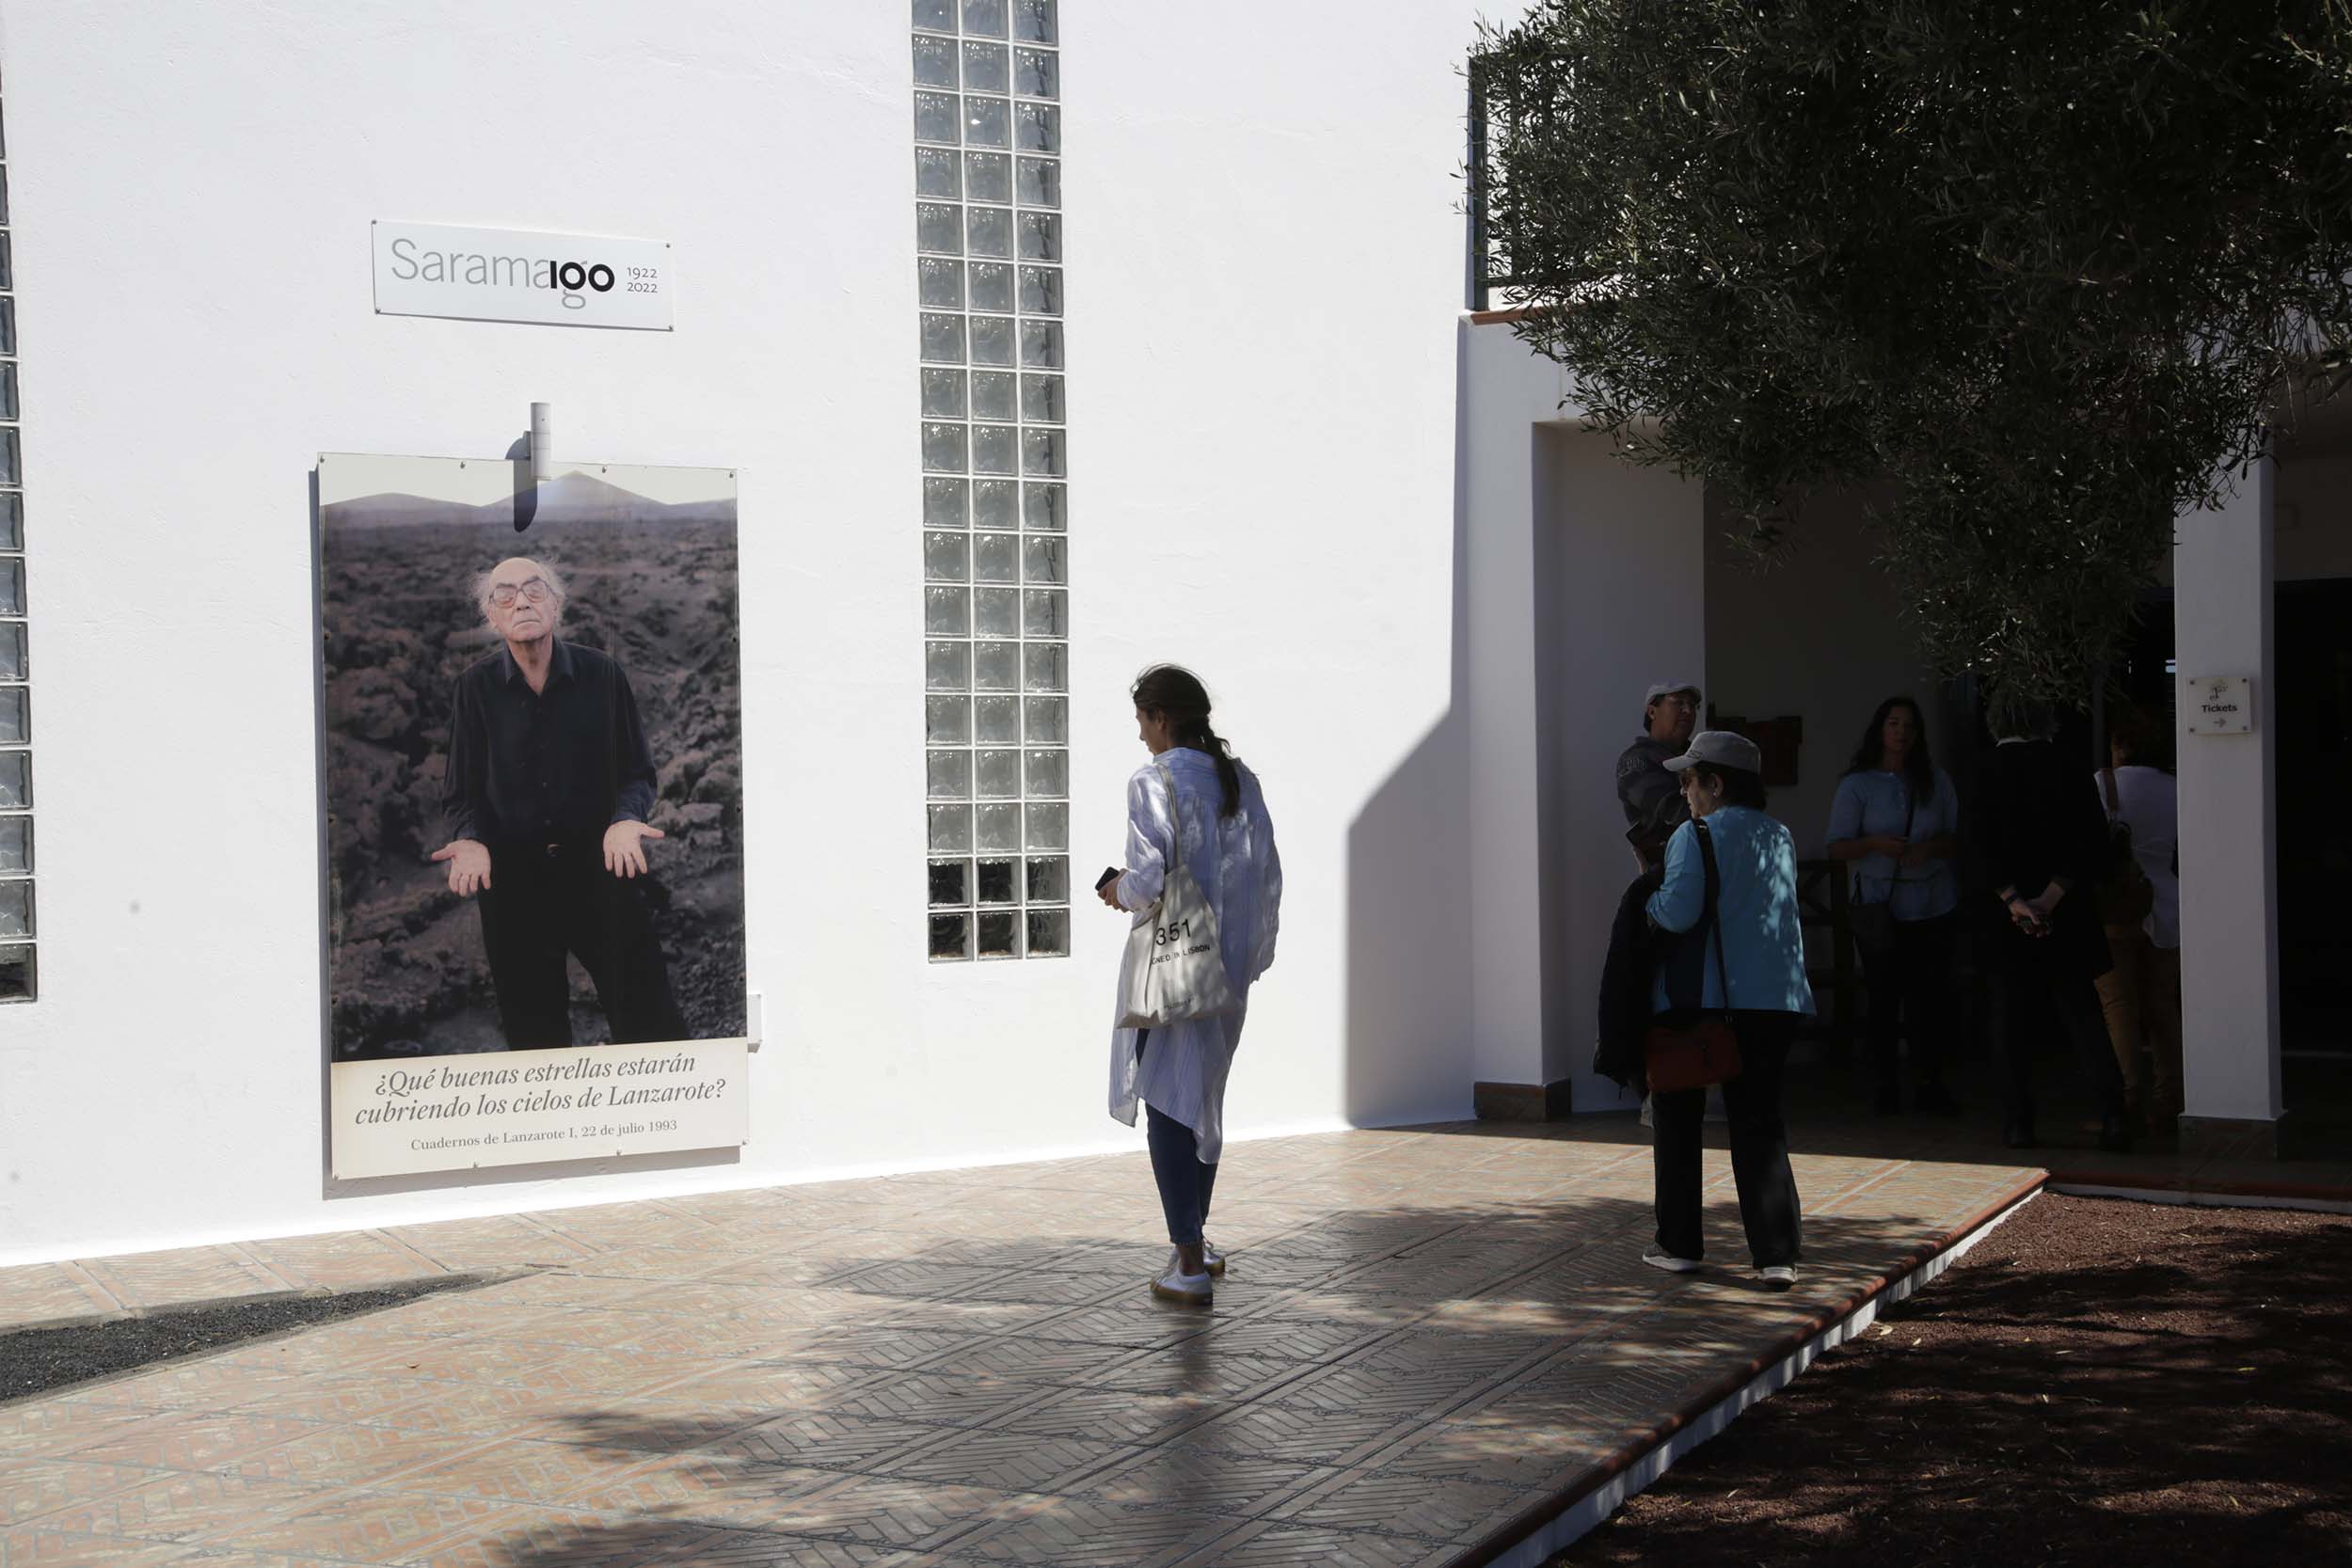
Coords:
pixel 1780 1276
pixel 1187 1289
pixel 1212 1259
pixel 1669 1262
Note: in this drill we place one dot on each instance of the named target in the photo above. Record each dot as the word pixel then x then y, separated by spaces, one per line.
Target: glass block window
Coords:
pixel 994 450
pixel 17 929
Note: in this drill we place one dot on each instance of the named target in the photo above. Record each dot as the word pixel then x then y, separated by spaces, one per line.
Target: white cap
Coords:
pixel 1721 748
pixel 1667 688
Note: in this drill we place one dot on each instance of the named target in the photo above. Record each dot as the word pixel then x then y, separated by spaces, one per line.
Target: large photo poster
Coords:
pixel 534 810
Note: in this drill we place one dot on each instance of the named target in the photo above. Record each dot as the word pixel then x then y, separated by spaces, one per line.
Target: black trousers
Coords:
pixel 541 907
pixel 1186 1184
pixel 1909 991
pixel 2028 1002
pixel 1759 1150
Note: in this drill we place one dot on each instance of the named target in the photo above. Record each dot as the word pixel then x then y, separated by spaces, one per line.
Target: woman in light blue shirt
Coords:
pixel 1755 972
pixel 1896 821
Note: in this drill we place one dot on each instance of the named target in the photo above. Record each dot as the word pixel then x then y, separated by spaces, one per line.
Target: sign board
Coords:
pixel 403 1117
pixel 498 991
pixel 504 275
pixel 2218 705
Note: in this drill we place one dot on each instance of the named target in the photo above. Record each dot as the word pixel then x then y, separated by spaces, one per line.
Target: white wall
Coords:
pixel 1264 258
pixel 2228 838
pixel 1821 637
pixel 1585 581
pixel 1625 600
pixel 1508 395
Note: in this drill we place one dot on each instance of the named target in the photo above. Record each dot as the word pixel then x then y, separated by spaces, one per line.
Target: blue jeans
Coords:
pixel 1184 1181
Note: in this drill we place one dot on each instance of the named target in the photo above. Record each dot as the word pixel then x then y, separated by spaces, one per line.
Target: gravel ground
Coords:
pixel 42 1360
pixel 2100 1382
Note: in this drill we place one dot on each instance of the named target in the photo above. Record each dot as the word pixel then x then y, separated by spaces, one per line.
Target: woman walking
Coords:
pixel 1195 803
pixel 1743 956
pixel 1896 818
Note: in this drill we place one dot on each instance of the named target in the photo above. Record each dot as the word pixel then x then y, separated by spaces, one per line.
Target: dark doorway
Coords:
pixel 2314 750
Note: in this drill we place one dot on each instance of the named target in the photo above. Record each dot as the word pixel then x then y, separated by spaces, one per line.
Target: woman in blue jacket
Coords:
pixel 1755 973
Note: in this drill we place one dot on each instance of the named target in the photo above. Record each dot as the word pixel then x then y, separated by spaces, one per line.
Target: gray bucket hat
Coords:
pixel 1721 748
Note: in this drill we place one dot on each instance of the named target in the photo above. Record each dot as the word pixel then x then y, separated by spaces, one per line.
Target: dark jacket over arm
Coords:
pixel 1624 983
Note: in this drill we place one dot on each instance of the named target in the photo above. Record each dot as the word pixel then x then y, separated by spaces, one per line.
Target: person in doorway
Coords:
pixel 1755 973
pixel 1653 804
pixel 1896 819
pixel 1652 799
pixel 1194 799
pixel 549 782
pixel 2042 840
pixel 2141 994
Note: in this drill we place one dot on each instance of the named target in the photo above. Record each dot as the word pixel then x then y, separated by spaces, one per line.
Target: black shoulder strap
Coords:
pixel 1712 913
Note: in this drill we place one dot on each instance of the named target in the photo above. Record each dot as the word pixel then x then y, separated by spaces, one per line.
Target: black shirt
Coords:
pixel 553 767
pixel 2040 821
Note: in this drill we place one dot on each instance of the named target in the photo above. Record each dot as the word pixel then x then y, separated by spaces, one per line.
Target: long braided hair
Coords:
pixel 1176 694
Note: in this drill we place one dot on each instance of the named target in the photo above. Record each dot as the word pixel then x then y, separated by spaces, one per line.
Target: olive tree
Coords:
pixel 2038 272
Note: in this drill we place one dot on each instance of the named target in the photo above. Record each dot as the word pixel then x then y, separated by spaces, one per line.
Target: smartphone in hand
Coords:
pixel 1110 874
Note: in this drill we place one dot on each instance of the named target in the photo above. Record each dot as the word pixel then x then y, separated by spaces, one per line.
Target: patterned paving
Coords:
pixel 1424 1334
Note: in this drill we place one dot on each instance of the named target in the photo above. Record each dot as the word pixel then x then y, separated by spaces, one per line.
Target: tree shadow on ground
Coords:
pixel 2097 1381
pixel 1017 1394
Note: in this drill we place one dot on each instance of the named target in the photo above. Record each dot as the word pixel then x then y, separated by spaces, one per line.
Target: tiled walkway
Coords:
pixel 1423 1334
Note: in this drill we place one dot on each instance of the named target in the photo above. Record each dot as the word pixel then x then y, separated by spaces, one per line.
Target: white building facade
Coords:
pixel 1425 602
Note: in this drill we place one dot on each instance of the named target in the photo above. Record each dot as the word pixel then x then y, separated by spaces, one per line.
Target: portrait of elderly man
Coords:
pixel 548 786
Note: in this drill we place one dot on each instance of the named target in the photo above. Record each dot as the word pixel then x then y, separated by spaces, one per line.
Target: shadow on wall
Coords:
pixel 1408 1029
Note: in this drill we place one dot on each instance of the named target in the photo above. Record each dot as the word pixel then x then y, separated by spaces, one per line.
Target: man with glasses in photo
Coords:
pixel 549 786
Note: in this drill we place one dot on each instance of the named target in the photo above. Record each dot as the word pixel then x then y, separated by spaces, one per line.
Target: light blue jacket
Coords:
pixel 1763 953
pixel 1870 804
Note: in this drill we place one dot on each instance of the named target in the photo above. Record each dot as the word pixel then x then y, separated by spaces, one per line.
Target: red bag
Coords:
pixel 1704 1051
pixel 1691 1058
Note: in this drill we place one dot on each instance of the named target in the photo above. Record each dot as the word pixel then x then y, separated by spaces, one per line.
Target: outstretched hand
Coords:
pixel 468 865
pixel 625 847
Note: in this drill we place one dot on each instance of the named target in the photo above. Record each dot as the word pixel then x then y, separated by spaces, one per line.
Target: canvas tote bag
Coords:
pixel 1175 965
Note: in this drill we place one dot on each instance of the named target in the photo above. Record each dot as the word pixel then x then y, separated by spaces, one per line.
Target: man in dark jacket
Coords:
pixel 1652 797
pixel 2042 836
pixel 549 782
